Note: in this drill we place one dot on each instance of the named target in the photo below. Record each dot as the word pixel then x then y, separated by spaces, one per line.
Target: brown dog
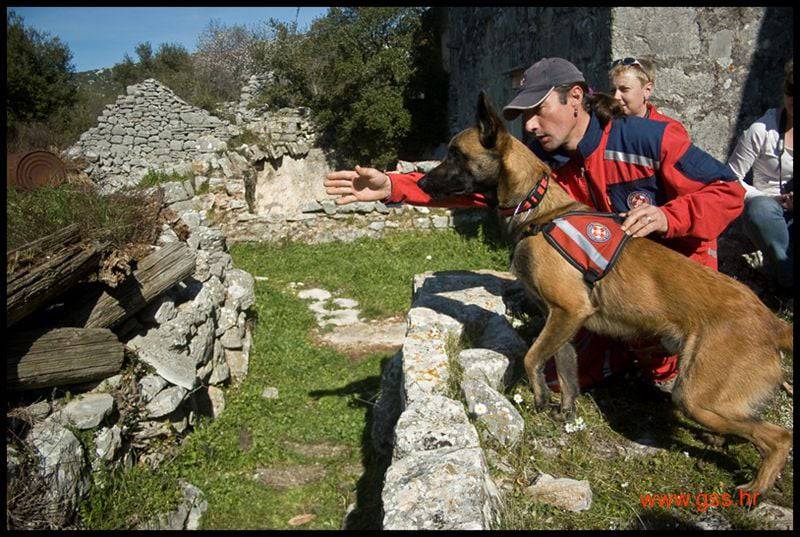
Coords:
pixel 729 342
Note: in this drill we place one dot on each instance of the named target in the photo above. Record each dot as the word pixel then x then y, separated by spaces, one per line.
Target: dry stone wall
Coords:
pixel 718 68
pixel 149 127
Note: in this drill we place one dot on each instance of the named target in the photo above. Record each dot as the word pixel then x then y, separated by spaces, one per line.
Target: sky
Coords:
pixel 100 36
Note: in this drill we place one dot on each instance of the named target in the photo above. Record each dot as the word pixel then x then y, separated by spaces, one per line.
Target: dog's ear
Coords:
pixel 489 123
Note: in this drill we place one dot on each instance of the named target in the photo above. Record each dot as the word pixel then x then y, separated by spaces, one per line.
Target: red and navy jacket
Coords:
pixel 629 161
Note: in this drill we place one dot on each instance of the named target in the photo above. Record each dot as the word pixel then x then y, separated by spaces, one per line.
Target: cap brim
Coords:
pixel 525 100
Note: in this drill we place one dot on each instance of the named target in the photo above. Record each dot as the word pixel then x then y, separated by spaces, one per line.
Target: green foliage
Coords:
pixel 39 80
pixel 157 177
pixel 370 74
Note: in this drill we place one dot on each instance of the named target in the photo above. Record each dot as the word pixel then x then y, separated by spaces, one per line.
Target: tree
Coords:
pixel 362 71
pixel 223 59
pixel 39 74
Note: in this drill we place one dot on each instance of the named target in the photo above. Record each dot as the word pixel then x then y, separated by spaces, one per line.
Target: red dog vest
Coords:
pixel 591 242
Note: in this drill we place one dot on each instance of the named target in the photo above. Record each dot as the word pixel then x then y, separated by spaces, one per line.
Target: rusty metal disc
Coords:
pixel 34 169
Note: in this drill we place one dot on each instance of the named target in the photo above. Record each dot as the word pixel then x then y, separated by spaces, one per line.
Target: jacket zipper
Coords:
pixel 585 176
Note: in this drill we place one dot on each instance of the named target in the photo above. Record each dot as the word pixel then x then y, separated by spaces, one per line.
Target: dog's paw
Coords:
pixel 563 415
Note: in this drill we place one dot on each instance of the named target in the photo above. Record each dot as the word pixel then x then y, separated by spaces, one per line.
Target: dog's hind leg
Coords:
pixel 567 369
pixel 560 327
pixel 727 404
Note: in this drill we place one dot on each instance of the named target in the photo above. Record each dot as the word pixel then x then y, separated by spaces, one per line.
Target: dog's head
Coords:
pixel 474 161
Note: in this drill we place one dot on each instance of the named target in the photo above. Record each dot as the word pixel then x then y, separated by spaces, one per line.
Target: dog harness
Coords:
pixel 590 241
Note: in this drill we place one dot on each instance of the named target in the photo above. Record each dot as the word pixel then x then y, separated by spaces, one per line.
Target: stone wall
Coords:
pixel 149 127
pixel 718 68
pixel 184 347
pixel 439 477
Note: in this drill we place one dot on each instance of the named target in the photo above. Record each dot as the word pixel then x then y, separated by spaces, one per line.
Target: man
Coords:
pixel 648 171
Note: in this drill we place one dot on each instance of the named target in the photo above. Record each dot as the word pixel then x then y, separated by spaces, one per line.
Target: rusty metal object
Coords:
pixel 34 169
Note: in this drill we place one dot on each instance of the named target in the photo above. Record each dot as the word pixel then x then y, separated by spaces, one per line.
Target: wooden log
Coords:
pixel 156 273
pixel 59 356
pixel 29 288
pixel 64 236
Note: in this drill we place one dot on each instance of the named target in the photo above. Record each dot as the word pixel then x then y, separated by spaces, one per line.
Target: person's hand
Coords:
pixel 787 201
pixel 644 220
pixel 363 184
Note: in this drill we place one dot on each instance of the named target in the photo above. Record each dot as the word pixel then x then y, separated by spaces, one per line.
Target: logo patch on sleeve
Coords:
pixel 598 232
pixel 638 197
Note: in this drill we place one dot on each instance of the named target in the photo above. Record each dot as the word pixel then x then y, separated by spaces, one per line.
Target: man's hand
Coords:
pixel 363 184
pixel 644 220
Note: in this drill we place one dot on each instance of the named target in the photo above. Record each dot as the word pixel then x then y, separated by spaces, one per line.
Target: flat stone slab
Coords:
pixel 314 294
pixel 439 489
pixel 494 411
pixel 290 476
pixel 486 365
pixel 339 317
pixel 385 334
pixel 431 423
pixel 564 493
pixel 88 411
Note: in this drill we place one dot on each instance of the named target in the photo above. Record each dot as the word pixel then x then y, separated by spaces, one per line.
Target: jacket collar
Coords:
pixel 591 138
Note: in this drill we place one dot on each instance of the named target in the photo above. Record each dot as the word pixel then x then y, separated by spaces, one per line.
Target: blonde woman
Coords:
pixel 633 81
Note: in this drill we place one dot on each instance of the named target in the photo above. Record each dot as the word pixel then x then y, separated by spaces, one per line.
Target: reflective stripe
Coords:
pixel 632 159
pixel 712 252
pixel 582 242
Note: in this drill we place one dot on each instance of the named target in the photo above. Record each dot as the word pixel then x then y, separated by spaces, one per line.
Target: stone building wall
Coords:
pixel 718 68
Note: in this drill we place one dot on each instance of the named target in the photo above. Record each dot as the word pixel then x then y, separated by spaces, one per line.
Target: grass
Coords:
pixel 615 412
pixel 156 177
pixel 247 137
pixel 121 218
pixel 326 397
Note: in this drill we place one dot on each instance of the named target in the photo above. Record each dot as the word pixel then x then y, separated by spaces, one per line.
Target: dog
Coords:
pixel 728 341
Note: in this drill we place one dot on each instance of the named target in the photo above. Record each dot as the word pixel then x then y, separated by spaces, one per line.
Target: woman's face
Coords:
pixel 630 92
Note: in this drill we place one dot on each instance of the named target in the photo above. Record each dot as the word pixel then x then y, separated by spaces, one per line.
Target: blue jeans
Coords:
pixel 769 227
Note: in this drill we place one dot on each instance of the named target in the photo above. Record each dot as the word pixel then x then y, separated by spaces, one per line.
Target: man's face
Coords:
pixel 551 122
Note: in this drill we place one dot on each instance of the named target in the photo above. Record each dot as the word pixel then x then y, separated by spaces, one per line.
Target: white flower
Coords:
pixel 428 257
pixel 577 425
pixel 480 409
pixel 518 398
pixel 624 485
pixel 686 454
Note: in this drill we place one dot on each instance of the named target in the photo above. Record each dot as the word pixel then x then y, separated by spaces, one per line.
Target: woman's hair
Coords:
pixel 604 106
pixel 644 71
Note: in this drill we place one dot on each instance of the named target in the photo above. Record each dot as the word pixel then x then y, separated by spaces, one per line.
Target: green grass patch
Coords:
pixel 122 218
pixel 157 177
pixel 377 273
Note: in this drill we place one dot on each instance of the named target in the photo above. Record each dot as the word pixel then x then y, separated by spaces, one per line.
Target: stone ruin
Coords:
pixel 186 345
pixel 148 127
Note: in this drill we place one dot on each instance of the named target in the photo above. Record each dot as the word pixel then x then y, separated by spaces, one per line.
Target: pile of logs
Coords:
pixel 78 345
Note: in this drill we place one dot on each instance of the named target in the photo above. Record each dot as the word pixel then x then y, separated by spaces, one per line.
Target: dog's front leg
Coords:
pixel 567 369
pixel 560 327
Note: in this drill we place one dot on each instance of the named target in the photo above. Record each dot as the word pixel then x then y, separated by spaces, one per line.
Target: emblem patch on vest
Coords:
pixel 638 197
pixel 598 232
